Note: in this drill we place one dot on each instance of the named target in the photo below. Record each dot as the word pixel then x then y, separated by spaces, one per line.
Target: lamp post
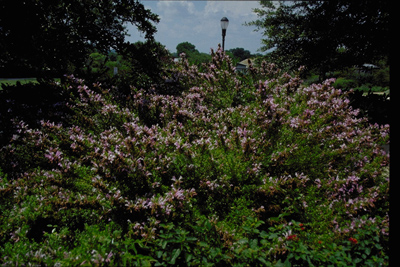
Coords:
pixel 224 26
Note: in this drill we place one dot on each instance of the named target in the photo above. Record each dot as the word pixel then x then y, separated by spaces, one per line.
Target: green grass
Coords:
pixel 15 81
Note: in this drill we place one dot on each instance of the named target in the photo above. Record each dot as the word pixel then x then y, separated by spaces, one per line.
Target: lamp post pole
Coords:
pixel 224 26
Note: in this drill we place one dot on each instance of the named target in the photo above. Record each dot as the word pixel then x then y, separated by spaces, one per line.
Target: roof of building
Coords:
pixel 246 61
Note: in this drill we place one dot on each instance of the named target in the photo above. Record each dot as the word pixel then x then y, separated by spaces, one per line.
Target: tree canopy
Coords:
pixel 43 37
pixel 324 34
pixel 186 48
pixel 240 53
pixel 193 55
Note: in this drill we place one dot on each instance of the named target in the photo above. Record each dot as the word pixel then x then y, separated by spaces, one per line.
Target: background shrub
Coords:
pixel 346 84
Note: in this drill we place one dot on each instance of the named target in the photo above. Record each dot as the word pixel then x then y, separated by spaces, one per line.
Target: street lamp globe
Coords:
pixel 224 26
pixel 224 23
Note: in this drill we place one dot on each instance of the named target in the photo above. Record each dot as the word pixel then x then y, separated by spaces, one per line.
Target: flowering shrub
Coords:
pixel 229 169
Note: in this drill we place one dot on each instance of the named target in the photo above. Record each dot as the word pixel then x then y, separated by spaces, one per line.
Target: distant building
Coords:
pixel 243 65
pixel 366 68
pixel 177 59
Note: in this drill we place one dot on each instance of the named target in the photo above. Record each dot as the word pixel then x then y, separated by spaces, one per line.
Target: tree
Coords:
pixel 186 48
pixel 193 55
pixel 240 53
pixel 145 62
pixel 45 37
pixel 324 35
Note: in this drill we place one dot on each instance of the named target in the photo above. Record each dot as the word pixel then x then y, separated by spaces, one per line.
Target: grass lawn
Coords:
pixel 14 81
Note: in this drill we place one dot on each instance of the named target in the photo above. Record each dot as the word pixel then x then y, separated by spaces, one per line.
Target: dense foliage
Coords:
pixel 324 35
pixel 226 169
pixel 50 38
pixel 192 54
pixel 139 64
pixel 240 53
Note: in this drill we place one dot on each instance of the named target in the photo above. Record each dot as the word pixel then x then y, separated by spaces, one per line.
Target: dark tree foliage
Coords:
pixel 53 37
pixel 240 53
pixel 186 48
pixel 144 66
pixel 324 34
pixel 192 54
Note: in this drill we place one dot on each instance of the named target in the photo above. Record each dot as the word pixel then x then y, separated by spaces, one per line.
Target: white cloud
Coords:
pixel 233 9
pixel 170 10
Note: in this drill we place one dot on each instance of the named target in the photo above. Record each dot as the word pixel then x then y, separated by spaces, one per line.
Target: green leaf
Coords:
pixel 188 257
pixel 208 225
pixel 164 244
pixel 261 259
pixel 159 254
pixel 176 253
pixel 203 244
pixel 253 243
pixel 243 241
pixel 264 234
pixel 273 236
pixel 246 228
pixel 284 264
pixel 191 238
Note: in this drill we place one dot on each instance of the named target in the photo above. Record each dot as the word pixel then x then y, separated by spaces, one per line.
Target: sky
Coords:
pixel 198 22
